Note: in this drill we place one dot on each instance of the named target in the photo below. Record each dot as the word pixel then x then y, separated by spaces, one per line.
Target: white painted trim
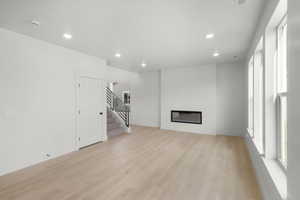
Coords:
pixel 162 99
pixel 137 124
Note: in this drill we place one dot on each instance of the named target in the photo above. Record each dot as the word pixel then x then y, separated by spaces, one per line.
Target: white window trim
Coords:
pixel 251 129
pixel 260 145
pixel 279 95
pixel 271 163
pixel 278 138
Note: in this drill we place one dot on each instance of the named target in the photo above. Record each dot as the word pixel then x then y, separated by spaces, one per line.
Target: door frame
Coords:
pixel 104 131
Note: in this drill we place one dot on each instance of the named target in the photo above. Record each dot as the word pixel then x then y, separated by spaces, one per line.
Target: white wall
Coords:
pixel 218 91
pixel 122 86
pixel 293 171
pixel 38 95
pixel 231 99
pixel 189 89
pixel 145 95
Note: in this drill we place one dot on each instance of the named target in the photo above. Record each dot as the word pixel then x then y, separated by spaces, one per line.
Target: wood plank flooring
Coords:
pixel 149 164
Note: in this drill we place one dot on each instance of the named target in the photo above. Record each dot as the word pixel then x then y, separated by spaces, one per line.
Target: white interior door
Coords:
pixel 91 111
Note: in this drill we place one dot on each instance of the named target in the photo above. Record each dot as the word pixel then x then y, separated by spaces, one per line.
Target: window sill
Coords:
pixel 275 171
pixel 278 176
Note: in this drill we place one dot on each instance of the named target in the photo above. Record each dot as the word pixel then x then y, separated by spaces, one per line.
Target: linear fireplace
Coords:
pixel 183 116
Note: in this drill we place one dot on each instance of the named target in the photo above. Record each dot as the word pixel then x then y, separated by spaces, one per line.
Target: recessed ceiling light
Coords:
pixel 143 64
pixel 117 55
pixel 210 36
pixel 67 36
pixel 35 23
pixel 216 54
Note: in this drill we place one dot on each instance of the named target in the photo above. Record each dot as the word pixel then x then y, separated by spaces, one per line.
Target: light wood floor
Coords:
pixel 149 164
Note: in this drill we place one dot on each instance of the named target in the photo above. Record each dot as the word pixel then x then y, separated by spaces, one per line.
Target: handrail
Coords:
pixel 116 104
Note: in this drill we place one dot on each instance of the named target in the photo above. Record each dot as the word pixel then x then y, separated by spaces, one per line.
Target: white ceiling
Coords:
pixel 163 33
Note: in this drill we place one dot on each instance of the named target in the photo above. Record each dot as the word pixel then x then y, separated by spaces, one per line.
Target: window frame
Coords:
pixel 251 97
pixel 256 96
pixel 279 96
pixel 258 110
pixel 282 162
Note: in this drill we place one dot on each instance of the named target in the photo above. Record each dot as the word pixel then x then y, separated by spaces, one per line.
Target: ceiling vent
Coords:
pixel 35 23
pixel 239 2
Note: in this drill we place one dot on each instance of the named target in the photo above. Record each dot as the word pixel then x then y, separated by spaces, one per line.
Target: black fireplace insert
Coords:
pixel 184 116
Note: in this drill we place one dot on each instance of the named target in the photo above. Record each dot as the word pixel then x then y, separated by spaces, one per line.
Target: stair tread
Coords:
pixel 114 125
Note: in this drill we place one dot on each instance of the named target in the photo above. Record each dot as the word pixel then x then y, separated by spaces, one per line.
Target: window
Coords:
pixel 250 98
pixel 268 96
pixel 281 97
pixel 126 97
pixel 256 97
